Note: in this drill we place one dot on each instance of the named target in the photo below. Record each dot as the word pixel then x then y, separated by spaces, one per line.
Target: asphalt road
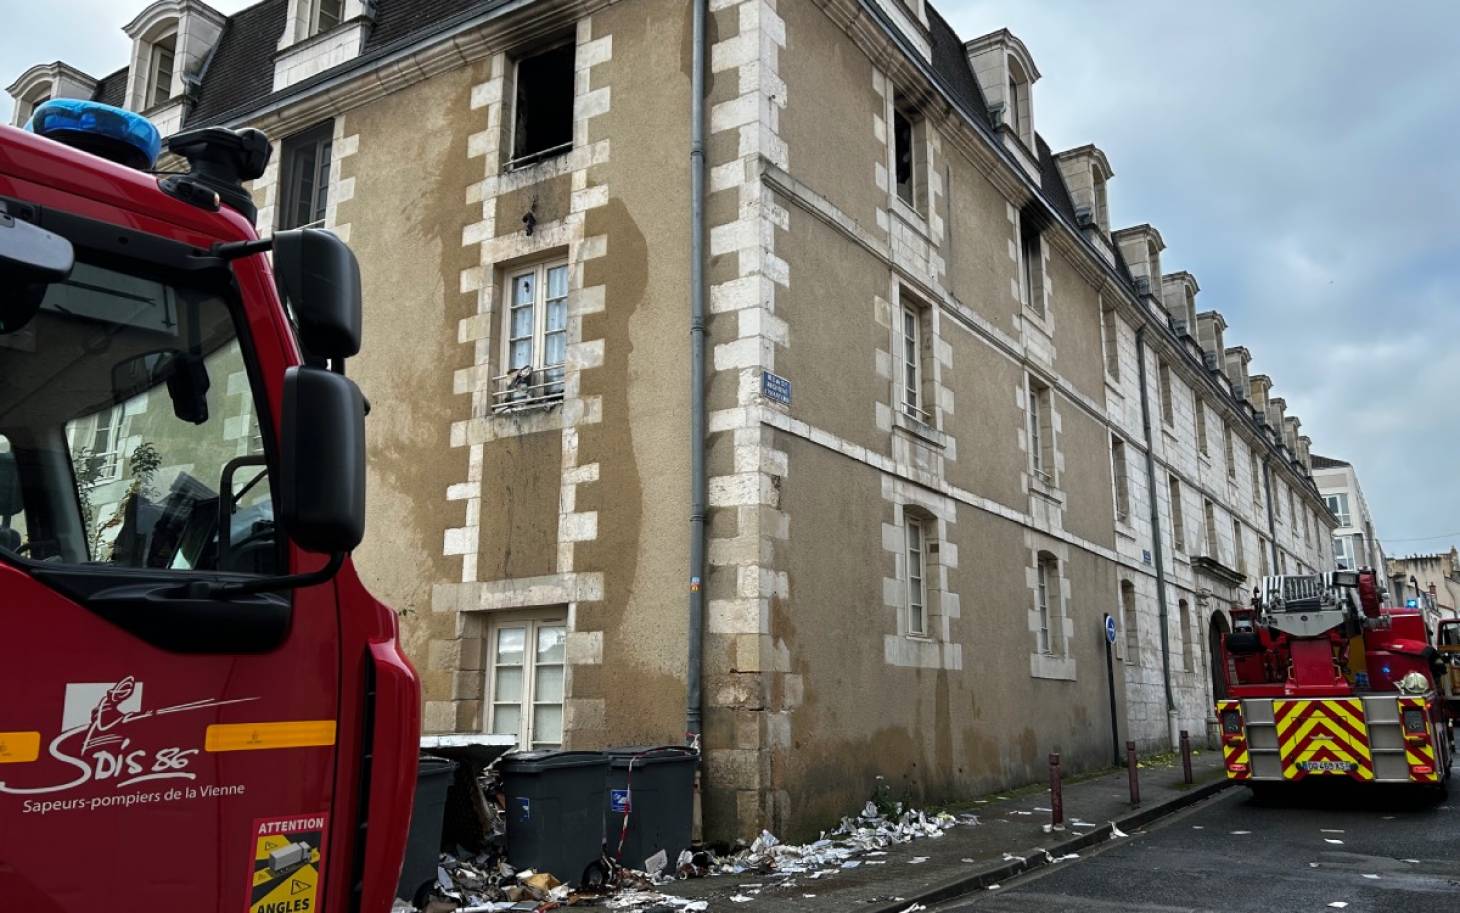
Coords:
pixel 1373 850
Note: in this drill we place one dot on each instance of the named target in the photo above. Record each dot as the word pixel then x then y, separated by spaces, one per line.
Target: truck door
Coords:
pixel 162 747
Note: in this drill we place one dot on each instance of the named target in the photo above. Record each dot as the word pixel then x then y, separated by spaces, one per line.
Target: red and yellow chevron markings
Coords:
pixel 1419 752
pixel 1234 740
pixel 1323 737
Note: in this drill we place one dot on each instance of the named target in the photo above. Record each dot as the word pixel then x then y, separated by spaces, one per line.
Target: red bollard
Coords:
pixel 1185 757
pixel 1056 800
pixel 1130 765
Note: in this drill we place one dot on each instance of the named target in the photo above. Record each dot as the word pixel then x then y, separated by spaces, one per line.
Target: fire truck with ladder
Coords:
pixel 201 706
pixel 1322 679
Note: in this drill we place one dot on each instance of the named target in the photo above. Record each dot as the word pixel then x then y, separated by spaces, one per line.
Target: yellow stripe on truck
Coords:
pixel 19 747
pixel 255 736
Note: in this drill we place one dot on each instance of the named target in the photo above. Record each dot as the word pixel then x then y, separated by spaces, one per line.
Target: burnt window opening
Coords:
pixel 902 132
pixel 542 122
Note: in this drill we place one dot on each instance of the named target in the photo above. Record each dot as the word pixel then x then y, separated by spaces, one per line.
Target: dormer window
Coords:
pixel 159 70
pixel 1006 75
pixel 43 82
pixel 325 15
pixel 1017 113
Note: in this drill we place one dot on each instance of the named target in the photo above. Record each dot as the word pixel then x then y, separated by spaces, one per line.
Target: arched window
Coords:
pixel 1017 103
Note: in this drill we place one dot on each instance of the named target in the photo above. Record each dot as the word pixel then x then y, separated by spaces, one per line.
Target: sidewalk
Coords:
pixel 1008 839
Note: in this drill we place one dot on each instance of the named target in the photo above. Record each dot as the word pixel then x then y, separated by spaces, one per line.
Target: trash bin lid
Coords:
pixel 551 759
pixel 641 755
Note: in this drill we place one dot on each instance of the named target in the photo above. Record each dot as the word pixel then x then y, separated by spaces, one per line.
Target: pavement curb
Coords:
pixel 1043 855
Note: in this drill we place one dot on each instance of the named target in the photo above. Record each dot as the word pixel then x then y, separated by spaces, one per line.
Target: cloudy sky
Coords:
pixel 1301 159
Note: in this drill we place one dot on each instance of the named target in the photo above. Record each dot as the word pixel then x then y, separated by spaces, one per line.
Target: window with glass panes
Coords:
pixel 97 440
pixel 536 336
pixel 306 176
pixel 525 681
pixel 159 70
pixel 1046 574
pixel 916 575
pixel 327 15
pixel 912 362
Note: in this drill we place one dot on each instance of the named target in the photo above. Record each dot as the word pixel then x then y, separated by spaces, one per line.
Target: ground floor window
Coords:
pixel 525 679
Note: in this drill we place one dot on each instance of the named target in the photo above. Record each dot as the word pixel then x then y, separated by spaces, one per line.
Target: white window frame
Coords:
pixel 531 623
pixel 316 10
pixel 319 139
pixel 533 384
pixel 916 551
pixel 83 435
pixel 1335 502
pixel 1343 553
pixel 1034 393
pixel 1043 564
pixel 912 363
pixel 154 66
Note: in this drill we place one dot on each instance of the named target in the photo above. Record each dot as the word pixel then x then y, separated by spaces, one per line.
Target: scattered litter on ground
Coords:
pixel 1312 865
pixel 1066 857
pixel 1333 841
pixel 1330 830
pixel 917 860
pixel 1010 857
pixel 1410 861
pixel 966 860
pixel 995 887
pixel 1197 827
pixel 914 908
pixel 1339 904
pixel 1116 833
pixel 1240 833
pixel 1374 877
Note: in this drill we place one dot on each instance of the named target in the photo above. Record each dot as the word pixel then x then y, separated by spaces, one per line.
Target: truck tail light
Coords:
pixel 1414 721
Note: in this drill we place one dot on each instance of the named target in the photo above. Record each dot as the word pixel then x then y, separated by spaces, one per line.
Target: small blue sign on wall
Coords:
pixel 1146 555
pixel 619 802
pixel 775 388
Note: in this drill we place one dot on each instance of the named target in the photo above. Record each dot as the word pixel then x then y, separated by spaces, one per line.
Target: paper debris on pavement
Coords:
pixel 1366 875
pixel 1116 833
pixel 1331 840
pixel 1339 904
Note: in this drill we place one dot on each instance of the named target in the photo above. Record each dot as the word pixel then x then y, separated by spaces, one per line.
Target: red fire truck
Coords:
pixel 1323 680
pixel 201 707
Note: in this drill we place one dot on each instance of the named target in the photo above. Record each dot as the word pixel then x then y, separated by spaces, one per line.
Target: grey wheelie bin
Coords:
pixel 655 787
pixel 555 813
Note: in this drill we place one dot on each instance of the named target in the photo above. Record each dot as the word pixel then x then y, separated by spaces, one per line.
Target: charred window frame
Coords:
pixel 542 105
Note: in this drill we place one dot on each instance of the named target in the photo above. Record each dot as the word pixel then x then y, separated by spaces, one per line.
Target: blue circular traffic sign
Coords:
pixel 1109 628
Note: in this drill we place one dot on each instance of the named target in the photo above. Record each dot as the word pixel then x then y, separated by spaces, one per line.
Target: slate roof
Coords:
pixel 112 89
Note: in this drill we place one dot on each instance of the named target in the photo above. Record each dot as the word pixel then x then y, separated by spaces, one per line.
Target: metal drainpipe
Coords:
pixel 697 375
pixel 1156 536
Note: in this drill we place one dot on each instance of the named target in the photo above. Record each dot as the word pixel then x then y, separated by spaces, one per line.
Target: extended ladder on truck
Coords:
pixel 1321 680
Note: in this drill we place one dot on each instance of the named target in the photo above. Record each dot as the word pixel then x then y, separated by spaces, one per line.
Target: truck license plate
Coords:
pixel 1312 766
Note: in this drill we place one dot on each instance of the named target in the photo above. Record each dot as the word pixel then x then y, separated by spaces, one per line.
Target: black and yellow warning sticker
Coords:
pixel 287 860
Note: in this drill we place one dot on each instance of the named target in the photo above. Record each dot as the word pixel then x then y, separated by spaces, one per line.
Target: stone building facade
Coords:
pixel 1355 539
pixel 998 419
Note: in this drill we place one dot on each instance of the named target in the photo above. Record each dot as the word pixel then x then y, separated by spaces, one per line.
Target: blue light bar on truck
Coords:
pixel 113 133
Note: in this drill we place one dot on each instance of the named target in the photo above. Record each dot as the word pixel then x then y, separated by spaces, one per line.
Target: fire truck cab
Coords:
pixel 201 707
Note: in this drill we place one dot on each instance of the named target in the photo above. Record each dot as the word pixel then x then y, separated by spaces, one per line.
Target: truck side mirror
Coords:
pixel 319 277
pixel 31 258
pixel 10 498
pixel 322 466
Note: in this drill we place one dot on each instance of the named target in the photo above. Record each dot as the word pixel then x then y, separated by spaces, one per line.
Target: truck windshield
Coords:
pixel 125 409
